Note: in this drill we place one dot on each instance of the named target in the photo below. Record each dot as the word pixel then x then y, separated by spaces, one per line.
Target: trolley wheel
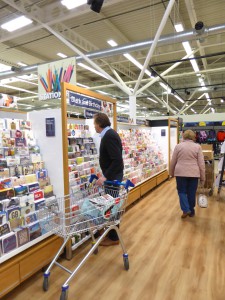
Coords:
pixel 126 263
pixel 45 284
pixel 211 192
pixel 64 295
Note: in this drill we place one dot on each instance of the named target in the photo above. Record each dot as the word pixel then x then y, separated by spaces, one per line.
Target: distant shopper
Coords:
pixel 110 160
pixel 188 165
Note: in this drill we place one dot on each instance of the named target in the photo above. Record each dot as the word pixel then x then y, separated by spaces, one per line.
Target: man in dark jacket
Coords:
pixel 110 160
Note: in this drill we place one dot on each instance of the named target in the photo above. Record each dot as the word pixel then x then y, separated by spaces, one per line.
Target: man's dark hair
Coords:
pixel 102 120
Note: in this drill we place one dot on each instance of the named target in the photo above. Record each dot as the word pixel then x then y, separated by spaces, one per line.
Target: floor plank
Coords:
pixel 170 258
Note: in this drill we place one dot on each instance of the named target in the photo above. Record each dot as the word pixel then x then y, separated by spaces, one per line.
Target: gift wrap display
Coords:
pixel 24 185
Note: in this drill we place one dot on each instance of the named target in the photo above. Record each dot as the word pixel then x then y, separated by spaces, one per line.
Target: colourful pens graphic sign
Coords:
pixel 52 74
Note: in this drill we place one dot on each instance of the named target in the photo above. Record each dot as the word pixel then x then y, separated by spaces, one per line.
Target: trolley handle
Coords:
pixel 126 184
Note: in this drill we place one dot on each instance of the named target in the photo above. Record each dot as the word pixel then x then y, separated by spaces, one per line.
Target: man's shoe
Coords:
pixel 192 214
pixel 185 215
pixel 107 242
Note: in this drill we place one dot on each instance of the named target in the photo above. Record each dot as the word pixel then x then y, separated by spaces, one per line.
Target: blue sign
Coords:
pixel 50 126
pixel 140 122
pixel 89 114
pixel 84 101
pixel 122 119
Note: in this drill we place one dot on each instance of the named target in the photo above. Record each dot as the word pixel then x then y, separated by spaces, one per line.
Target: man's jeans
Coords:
pixel 187 187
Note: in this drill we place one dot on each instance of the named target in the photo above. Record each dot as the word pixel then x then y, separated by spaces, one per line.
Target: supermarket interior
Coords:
pixel 152 70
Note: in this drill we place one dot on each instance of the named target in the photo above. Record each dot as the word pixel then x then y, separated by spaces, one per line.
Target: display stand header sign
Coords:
pixel 76 99
pixel 52 74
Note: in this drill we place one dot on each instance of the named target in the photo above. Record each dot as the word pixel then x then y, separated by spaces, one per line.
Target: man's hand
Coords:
pixel 101 180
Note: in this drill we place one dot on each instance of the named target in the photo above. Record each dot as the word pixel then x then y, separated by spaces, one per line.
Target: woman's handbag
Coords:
pixel 202 201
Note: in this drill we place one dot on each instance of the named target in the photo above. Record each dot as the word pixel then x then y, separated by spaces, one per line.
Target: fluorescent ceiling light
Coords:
pixel 123 105
pixel 62 55
pixel 179 98
pixel 155 111
pixel 83 85
pixel 21 64
pixel 136 63
pixel 221 100
pixel 16 23
pixel 25 98
pixel 112 43
pixel 4 68
pixel 70 4
pixel 104 93
pixel 152 100
pixel 144 107
pixel 17 89
pixel 91 69
pixel 179 27
pixel 165 87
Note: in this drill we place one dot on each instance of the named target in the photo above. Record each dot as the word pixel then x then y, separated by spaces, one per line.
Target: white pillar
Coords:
pixel 132 106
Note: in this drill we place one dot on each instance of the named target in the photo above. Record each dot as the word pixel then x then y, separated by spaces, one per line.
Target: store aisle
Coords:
pixel 170 258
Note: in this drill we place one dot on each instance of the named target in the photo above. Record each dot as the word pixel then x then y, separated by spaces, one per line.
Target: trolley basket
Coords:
pixel 85 212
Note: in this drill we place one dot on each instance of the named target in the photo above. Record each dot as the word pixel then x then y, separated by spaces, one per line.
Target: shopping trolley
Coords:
pixel 86 211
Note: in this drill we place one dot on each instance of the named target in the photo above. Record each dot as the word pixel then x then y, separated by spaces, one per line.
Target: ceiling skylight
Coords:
pixel 16 23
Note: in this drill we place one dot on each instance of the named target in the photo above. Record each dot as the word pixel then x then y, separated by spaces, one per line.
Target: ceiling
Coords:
pixel 127 22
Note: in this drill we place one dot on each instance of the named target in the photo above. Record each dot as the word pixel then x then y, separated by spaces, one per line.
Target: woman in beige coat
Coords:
pixel 188 165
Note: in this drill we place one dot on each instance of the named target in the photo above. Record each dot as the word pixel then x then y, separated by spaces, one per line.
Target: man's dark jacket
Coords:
pixel 110 158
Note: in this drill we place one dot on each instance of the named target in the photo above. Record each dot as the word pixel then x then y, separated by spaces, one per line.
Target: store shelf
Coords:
pixel 145 186
pixel 23 265
pixel 11 254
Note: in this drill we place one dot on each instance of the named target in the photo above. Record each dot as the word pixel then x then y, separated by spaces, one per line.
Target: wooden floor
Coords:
pixel 170 258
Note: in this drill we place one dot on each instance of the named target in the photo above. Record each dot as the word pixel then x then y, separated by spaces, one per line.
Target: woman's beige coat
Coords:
pixel 188 160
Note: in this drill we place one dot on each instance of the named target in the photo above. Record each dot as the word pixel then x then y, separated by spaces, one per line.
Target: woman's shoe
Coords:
pixel 184 215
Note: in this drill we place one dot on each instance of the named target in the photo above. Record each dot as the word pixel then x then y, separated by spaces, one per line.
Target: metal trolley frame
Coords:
pixel 82 212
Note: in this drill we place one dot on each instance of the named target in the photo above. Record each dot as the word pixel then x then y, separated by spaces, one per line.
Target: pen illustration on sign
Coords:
pixel 51 82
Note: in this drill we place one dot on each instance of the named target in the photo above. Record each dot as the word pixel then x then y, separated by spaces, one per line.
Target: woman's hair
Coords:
pixel 102 120
pixel 189 135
